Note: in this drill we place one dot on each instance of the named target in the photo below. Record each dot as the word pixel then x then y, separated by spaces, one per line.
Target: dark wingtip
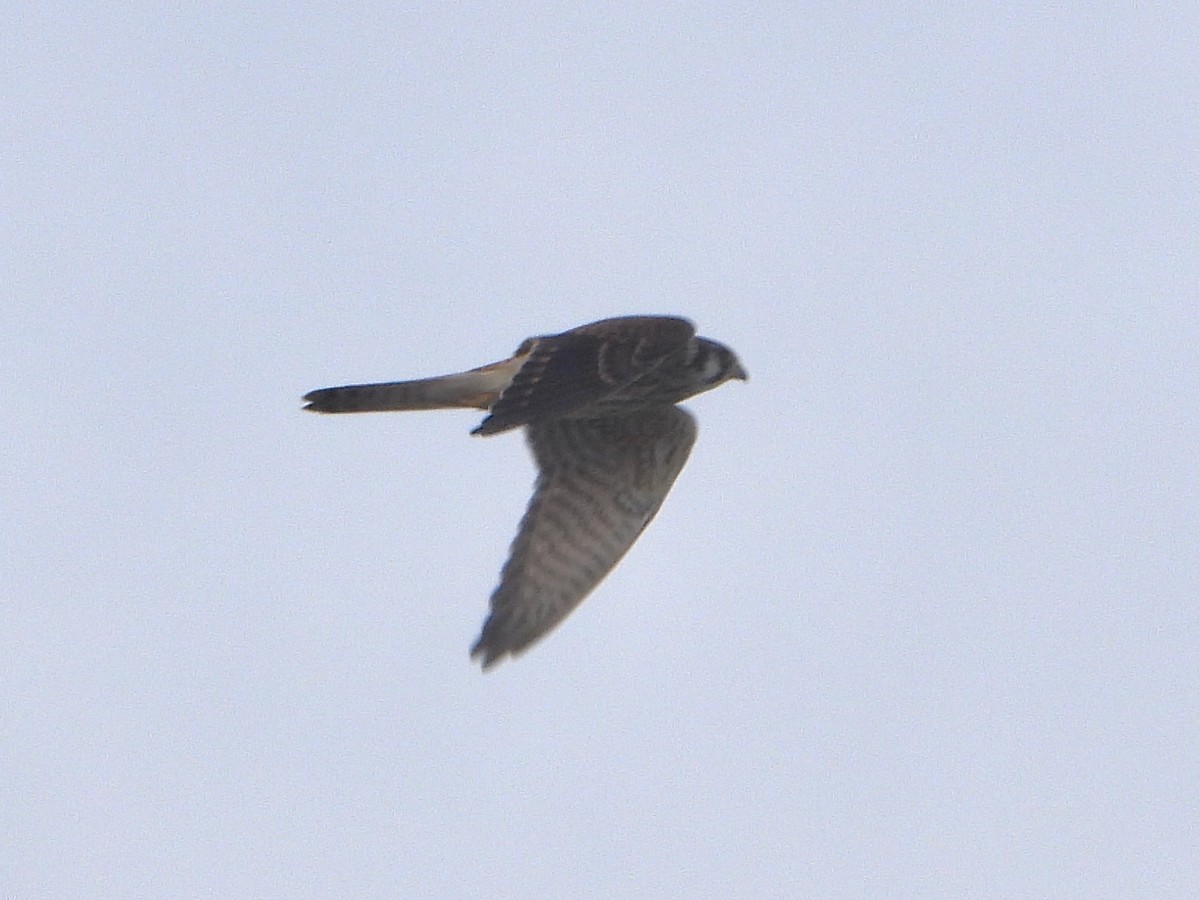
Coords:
pixel 492 425
pixel 489 656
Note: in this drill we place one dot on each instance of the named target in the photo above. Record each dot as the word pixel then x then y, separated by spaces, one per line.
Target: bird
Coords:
pixel 598 404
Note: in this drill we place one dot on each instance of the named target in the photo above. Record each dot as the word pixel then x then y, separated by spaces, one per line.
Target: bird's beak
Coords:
pixel 739 373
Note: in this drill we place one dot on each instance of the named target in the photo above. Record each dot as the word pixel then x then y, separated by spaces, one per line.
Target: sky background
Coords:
pixel 920 616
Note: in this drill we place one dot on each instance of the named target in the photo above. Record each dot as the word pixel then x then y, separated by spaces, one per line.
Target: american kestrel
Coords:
pixel 598 407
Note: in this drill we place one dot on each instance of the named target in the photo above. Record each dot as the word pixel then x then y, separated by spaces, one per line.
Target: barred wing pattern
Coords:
pixel 597 404
pixel 563 373
pixel 600 483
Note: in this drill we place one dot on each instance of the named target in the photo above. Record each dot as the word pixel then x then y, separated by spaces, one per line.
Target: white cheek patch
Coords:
pixel 712 367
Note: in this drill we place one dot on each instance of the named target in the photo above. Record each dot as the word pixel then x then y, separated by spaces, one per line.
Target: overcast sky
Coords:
pixel 920 616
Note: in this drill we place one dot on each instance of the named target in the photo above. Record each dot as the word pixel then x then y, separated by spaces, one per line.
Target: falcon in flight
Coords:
pixel 598 407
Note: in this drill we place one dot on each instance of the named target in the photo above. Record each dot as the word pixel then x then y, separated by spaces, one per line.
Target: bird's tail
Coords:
pixel 476 389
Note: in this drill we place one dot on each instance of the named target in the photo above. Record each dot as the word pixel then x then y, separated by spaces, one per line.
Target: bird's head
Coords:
pixel 715 363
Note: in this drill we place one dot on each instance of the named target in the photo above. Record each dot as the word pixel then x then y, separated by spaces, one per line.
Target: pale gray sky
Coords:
pixel 920 616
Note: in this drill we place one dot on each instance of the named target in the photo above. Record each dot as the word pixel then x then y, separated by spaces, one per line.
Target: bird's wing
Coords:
pixel 600 483
pixel 564 372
